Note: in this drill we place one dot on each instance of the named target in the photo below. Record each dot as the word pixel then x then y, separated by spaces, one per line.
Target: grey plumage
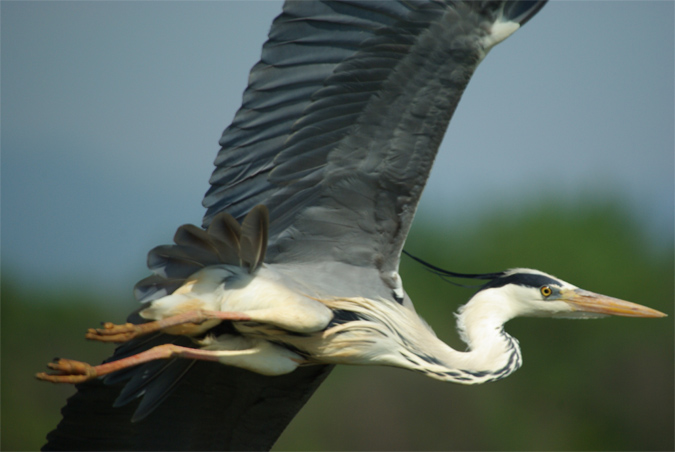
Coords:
pixel 359 109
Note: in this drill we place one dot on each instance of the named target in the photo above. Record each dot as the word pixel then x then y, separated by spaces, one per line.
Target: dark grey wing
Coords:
pixel 212 408
pixel 342 120
pixel 306 43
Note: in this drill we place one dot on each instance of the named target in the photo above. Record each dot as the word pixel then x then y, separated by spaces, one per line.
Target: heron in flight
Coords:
pixel 296 266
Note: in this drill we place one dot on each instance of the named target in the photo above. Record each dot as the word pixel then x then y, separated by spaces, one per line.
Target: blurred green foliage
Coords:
pixel 585 385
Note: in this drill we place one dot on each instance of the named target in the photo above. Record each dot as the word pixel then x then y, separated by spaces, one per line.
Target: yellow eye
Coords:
pixel 546 291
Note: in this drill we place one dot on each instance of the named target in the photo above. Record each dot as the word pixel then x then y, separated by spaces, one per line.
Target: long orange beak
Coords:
pixel 583 300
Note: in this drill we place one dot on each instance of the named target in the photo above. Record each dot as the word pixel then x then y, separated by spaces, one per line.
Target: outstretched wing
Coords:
pixel 343 117
pixel 337 133
pixel 213 408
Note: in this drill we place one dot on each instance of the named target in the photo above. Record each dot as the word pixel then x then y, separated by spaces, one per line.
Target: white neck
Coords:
pixel 405 340
pixel 490 349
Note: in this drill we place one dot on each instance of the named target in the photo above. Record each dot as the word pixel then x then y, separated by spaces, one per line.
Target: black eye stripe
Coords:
pixel 522 279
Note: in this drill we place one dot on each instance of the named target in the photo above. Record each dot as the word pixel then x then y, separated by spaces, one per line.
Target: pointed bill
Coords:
pixel 583 300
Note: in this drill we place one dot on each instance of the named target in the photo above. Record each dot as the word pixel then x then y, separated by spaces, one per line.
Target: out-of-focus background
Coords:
pixel 560 157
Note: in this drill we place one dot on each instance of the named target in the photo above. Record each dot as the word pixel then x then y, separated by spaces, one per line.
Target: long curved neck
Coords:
pixel 491 355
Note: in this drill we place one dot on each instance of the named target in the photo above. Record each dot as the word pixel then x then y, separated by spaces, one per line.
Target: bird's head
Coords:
pixel 532 293
pixel 523 292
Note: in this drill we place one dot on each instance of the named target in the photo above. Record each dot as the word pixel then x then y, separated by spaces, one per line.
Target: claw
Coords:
pixel 188 323
pixel 113 333
pixel 68 371
pixel 71 371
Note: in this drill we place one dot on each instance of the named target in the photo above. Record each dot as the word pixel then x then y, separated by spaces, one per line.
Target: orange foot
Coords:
pixel 115 333
pixel 68 371
pixel 123 333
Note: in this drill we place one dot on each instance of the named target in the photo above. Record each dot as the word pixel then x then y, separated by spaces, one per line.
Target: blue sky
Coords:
pixel 111 114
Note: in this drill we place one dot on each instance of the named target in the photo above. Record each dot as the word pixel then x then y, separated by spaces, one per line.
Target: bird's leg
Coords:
pixel 123 333
pixel 71 371
pixel 256 359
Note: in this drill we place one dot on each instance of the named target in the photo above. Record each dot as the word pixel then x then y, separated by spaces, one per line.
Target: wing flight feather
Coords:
pixel 342 119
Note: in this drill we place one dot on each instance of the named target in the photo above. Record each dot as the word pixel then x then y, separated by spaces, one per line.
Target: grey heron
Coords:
pixel 336 136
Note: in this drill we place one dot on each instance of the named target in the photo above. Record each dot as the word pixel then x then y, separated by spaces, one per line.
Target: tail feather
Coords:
pixel 99 415
pixel 194 237
pixel 156 286
pixel 179 261
pixel 254 237
pixel 227 231
pixel 225 242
